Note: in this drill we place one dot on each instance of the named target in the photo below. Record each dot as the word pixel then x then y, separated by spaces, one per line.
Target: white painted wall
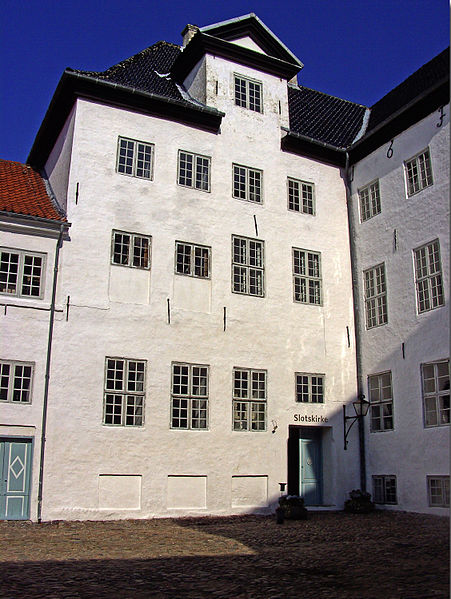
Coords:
pixel 271 333
pixel 410 451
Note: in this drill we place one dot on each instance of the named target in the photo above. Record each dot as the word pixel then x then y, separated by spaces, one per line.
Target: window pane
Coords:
pixel 125 158
pixel 121 248
pixel 144 160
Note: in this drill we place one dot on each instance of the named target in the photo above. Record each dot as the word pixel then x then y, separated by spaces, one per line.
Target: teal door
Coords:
pixel 311 471
pixel 15 468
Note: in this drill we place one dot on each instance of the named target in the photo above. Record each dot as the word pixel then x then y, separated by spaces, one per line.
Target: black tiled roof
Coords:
pixel 324 118
pixel 422 80
pixel 144 71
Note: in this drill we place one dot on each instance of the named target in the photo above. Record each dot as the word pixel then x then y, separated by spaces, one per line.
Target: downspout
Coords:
pixel 357 319
pixel 47 368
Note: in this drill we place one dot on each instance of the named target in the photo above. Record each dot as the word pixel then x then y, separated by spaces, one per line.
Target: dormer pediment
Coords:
pixel 245 40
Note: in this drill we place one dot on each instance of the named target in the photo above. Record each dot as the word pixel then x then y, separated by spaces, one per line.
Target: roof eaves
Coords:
pixel 298 143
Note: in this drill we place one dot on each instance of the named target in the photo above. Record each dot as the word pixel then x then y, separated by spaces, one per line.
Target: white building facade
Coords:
pixel 203 343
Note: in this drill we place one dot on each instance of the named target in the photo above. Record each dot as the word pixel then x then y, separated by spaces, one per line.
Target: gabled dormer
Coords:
pixel 237 63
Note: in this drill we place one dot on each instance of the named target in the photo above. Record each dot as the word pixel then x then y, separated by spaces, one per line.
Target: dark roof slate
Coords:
pixel 23 191
pixel 324 118
pixel 146 71
pixel 411 88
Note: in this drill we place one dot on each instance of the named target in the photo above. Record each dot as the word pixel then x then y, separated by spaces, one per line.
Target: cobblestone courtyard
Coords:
pixel 385 555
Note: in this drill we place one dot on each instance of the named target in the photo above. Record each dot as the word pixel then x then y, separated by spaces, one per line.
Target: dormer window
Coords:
pixel 248 93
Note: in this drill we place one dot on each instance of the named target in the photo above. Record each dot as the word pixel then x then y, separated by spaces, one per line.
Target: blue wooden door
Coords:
pixel 15 468
pixel 311 471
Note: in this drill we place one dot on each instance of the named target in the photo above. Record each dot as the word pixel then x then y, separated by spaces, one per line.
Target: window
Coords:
pixel 381 400
pixel 125 387
pixel 130 249
pixel 370 201
pixel 428 277
pixel 384 489
pixel 249 399
pixel 15 381
pixel 375 296
pixel 189 398
pixel 307 277
pixel 247 184
pixel 435 382
pixel 21 273
pixel 309 387
pixel 194 171
pixel 438 491
pixel 135 158
pixel 301 196
pixel 192 260
pixel 248 93
pixel 247 266
pixel 418 172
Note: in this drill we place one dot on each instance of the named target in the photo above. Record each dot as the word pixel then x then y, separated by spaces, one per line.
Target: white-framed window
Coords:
pixel 428 277
pixel 435 384
pixel 249 399
pixel 309 387
pixel 248 266
pixel 22 273
pixel 247 184
pixel 135 158
pixel 15 381
pixel 370 201
pixel 248 93
pixel 301 196
pixel 124 393
pixel 438 491
pixel 375 296
pixel 307 277
pixel 192 260
pixel 130 249
pixel 418 172
pixel 189 396
pixel 380 393
pixel 384 489
pixel 194 170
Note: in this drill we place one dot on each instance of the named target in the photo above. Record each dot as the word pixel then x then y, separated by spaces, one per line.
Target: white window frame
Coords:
pixel 301 196
pixel 249 400
pixel 15 281
pixel 436 394
pixel 246 100
pixel 307 279
pixel 428 277
pixel 418 172
pixel 388 490
pixel 375 294
pixel 125 393
pixel 14 393
pixel 133 245
pixel 198 260
pixel 248 276
pixel 198 162
pixel 442 485
pixel 369 200
pixel 380 395
pixel 315 391
pixel 247 183
pixel 130 165
pixel 191 407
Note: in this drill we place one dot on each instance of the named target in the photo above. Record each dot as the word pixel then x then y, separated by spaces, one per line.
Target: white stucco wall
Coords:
pixel 410 451
pixel 228 472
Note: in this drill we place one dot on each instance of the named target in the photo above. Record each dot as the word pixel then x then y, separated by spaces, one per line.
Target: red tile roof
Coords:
pixel 23 191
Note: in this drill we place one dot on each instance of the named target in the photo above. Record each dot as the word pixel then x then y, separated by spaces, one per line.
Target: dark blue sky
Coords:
pixel 354 49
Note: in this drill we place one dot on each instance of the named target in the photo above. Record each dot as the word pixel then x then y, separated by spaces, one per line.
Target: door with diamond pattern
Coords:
pixel 15 467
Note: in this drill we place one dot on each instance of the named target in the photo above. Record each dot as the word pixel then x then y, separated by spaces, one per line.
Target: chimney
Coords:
pixel 188 33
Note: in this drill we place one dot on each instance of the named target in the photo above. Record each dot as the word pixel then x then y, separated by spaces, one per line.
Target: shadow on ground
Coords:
pixel 332 555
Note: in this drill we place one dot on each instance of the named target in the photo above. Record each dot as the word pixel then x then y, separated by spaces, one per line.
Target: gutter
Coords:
pixel 327 152
pixel 63 227
pixel 357 318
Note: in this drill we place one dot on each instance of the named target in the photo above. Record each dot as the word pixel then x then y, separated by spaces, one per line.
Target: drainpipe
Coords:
pixel 47 368
pixel 357 320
